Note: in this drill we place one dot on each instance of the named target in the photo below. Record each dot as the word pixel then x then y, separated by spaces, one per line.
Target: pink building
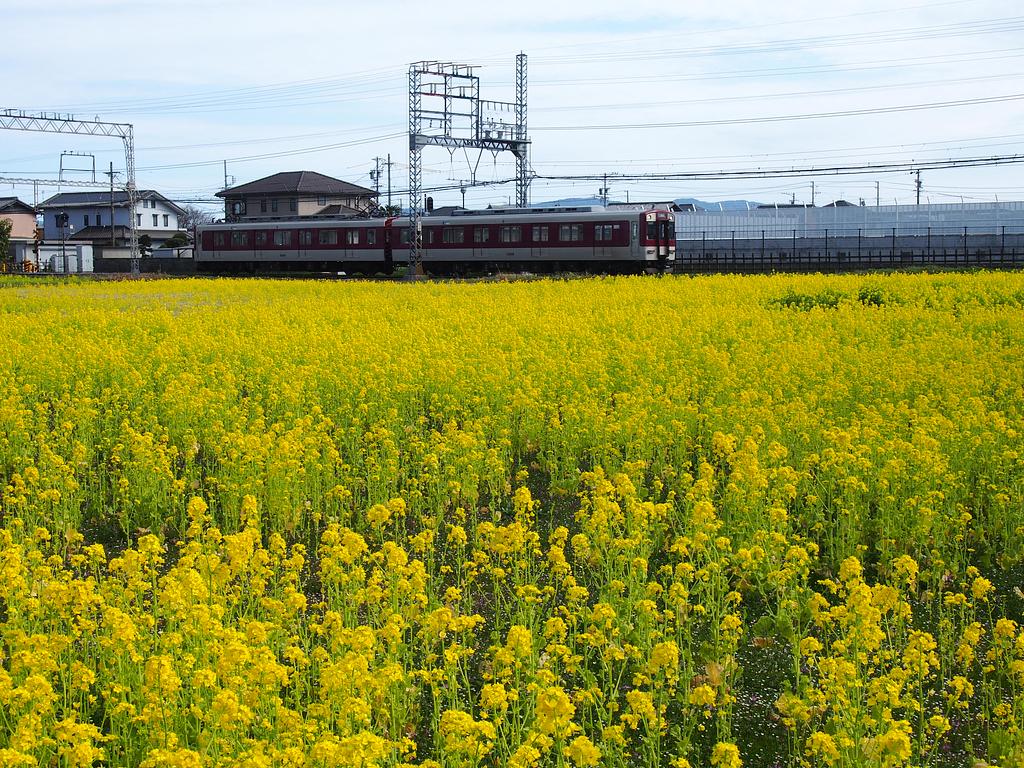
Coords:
pixel 22 217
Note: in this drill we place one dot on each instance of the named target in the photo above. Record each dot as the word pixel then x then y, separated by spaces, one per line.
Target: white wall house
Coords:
pixel 89 216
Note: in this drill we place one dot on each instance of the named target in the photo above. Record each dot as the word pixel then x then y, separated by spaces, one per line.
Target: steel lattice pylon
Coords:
pixel 458 122
pixel 17 120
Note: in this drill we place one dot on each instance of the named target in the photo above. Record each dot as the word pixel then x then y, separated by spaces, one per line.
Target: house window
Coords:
pixel 167 220
pixel 305 237
pixel 218 238
pixel 321 199
pixel 481 234
pixel 138 219
pixel 238 239
pixel 603 232
pixel 371 237
pixel 85 220
pixel 293 205
pixel 261 238
pixel 511 234
pixel 540 234
pixel 453 235
pixel 273 206
pixel 99 220
pixel 569 233
pixel 263 205
pixel 156 219
pixel 352 236
pixel 328 237
pixel 282 237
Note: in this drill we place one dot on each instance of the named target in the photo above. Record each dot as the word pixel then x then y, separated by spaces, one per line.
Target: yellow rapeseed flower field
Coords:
pixel 726 521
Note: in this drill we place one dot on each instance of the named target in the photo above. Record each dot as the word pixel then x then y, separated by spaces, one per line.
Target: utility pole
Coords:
pixel 604 191
pixel 812 194
pixel 917 184
pixel 111 174
pixel 389 181
pixel 878 195
pixel 225 174
pixel 375 175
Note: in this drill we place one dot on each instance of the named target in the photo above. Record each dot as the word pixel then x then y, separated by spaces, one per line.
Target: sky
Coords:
pixel 614 87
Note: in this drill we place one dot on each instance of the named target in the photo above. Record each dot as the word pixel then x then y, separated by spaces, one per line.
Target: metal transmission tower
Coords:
pixel 455 118
pixel 18 120
pixel 522 160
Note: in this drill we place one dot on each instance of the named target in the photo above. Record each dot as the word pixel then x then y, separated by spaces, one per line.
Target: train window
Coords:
pixel 371 237
pixel 305 237
pixel 404 237
pixel 652 230
pixel 511 234
pixel 481 234
pixel 328 237
pixel 454 235
pixel 352 236
pixel 282 237
pixel 218 239
pixel 569 233
pixel 540 234
pixel 239 239
pixel 603 232
pixel 261 238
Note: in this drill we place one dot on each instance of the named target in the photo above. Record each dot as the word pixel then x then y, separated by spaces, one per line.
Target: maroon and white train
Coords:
pixel 517 239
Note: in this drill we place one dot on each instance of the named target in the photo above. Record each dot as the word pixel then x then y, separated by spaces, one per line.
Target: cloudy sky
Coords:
pixel 614 87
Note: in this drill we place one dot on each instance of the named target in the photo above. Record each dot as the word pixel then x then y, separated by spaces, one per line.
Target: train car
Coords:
pixel 516 239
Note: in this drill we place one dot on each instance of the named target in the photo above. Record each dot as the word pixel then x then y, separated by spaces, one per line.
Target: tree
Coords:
pixel 193 217
pixel 5 239
pixel 177 240
pixel 145 245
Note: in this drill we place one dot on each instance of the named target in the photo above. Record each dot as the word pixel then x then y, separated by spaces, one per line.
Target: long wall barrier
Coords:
pixel 841 250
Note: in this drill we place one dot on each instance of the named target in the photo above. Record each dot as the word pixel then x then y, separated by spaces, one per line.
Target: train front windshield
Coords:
pixel 661 231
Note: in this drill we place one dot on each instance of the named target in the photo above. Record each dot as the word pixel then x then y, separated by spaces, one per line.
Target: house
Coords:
pixel 294 194
pixel 23 220
pixel 89 217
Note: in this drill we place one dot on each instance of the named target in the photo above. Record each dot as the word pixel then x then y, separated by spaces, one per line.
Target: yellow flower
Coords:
pixel 554 712
pixel 821 746
pixel 703 696
pixel 582 752
pixel 726 755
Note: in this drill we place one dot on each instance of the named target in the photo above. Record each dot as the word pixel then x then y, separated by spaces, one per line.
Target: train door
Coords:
pixel 305 244
pixel 259 243
pixel 540 236
pixel 389 246
pixel 659 237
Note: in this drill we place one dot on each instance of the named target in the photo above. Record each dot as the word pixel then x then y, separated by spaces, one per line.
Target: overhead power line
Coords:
pixel 786 118
pixel 836 170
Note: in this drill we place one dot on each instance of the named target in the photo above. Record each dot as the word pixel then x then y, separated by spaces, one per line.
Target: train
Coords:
pixel 570 239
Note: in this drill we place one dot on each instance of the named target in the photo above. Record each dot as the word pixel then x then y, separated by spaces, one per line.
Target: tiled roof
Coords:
pixel 82 199
pixel 298 183
pixel 14 205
